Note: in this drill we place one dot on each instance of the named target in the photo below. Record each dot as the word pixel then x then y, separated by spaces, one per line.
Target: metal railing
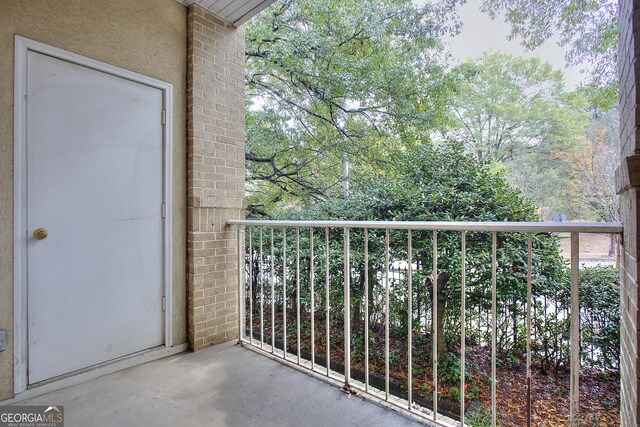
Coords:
pixel 386 254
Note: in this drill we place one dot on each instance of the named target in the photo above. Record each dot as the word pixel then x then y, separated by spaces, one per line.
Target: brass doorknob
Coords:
pixel 40 234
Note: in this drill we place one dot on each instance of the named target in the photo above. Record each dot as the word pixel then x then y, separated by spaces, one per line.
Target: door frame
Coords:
pixel 20 326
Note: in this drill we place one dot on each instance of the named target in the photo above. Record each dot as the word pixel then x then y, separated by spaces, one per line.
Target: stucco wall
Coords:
pixel 145 36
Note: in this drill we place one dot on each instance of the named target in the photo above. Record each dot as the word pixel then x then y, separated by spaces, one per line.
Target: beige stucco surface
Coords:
pixel 145 36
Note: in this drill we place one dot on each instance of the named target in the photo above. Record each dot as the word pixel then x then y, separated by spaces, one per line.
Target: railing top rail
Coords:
pixel 533 227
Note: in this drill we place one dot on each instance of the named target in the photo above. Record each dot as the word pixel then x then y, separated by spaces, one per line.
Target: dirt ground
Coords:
pixel 592 247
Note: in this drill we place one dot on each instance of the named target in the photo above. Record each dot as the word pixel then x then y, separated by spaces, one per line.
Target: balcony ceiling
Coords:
pixel 235 12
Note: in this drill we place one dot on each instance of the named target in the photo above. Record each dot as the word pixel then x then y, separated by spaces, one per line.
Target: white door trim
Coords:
pixel 22 46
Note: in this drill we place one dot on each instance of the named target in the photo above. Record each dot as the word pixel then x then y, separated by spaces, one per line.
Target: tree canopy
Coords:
pixel 508 106
pixel 516 113
pixel 595 168
pixel 330 81
pixel 589 28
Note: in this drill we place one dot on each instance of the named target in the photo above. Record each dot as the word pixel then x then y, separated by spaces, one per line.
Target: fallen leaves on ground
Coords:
pixel 599 392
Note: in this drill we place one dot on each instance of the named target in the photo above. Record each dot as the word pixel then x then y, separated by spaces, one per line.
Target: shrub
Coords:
pixel 600 317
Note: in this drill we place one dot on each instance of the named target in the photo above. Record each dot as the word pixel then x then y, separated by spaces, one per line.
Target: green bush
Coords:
pixel 600 317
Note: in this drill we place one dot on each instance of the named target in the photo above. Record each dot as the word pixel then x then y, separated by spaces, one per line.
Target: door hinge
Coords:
pixel 164 210
pixel 164 117
pixel 164 303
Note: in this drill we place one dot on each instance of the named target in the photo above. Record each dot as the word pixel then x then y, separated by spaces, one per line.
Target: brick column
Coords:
pixel 628 183
pixel 215 175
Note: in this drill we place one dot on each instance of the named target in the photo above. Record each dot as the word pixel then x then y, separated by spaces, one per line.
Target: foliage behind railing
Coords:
pixel 291 269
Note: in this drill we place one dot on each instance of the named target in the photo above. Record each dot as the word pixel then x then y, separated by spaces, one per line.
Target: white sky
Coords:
pixel 480 34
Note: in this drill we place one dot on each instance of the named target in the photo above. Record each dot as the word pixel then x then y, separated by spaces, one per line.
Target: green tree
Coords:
pixel 589 28
pixel 431 183
pixel 594 171
pixel 596 165
pixel 330 82
pixel 515 112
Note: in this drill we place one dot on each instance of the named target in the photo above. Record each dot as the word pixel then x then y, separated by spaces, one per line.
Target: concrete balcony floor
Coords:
pixel 224 385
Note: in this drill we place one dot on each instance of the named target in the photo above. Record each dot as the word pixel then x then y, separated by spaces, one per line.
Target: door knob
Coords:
pixel 40 234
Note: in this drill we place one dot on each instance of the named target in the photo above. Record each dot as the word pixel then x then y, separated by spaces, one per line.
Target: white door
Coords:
pixel 94 145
